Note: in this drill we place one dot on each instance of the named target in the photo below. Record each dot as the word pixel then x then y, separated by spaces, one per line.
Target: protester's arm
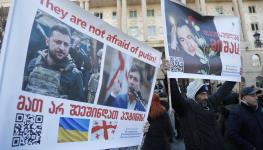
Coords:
pixel 233 129
pixel 224 90
pixel 178 102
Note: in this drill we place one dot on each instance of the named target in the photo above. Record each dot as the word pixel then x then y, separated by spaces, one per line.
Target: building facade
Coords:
pixel 142 19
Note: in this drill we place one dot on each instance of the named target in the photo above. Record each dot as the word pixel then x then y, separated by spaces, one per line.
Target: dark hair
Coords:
pixel 181 22
pixel 136 68
pixel 60 28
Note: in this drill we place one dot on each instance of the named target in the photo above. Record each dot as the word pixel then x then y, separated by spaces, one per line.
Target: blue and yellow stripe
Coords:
pixel 73 129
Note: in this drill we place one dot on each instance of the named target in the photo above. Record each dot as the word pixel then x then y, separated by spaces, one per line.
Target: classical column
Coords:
pixel 81 4
pixel 235 6
pixel 119 13
pixel 200 6
pixel 144 19
pixel 236 13
pixel 87 4
pixel 242 19
pixel 124 16
pixel 197 6
pixel 183 1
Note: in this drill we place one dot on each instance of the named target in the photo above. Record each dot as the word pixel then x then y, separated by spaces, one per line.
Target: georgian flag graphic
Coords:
pixel 103 130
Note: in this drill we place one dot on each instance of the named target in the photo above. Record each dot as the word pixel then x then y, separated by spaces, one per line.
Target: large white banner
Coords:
pixel 201 46
pixel 71 81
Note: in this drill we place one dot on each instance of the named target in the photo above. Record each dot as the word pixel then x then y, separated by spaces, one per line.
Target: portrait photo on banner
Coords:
pixel 61 62
pixel 190 49
pixel 126 81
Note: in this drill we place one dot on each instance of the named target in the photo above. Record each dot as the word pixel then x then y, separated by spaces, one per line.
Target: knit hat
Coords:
pixel 193 88
pixel 203 88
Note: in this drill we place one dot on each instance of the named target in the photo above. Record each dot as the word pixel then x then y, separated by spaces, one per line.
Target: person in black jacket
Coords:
pixel 245 122
pixel 160 131
pixel 198 116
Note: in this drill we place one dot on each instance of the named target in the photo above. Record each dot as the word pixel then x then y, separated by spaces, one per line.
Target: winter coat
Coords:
pixel 199 125
pixel 245 127
pixel 160 133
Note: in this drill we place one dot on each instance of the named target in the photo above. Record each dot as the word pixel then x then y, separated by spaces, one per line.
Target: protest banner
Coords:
pixel 199 46
pixel 66 79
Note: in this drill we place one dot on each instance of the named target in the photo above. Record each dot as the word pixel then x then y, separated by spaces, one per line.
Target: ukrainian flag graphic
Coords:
pixel 73 130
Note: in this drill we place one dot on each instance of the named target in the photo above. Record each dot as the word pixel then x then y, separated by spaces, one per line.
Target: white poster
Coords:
pixel 199 46
pixel 71 81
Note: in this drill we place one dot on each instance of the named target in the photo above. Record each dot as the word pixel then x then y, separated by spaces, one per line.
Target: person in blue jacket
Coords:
pixel 133 98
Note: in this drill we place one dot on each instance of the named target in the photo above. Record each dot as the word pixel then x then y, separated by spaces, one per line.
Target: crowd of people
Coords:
pixel 224 120
pixel 207 121
pixel 219 120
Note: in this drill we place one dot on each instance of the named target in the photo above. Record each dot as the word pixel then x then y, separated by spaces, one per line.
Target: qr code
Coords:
pixel 27 129
pixel 177 64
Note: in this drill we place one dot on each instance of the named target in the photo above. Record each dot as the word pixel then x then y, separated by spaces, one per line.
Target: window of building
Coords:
pixel 133 14
pixel 114 15
pixel 256 60
pixel 259 81
pixel 219 10
pixel 3 13
pixel 150 13
pixel 251 9
pixel 76 2
pixel 254 26
pixel 133 31
pixel 99 15
pixel 151 30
